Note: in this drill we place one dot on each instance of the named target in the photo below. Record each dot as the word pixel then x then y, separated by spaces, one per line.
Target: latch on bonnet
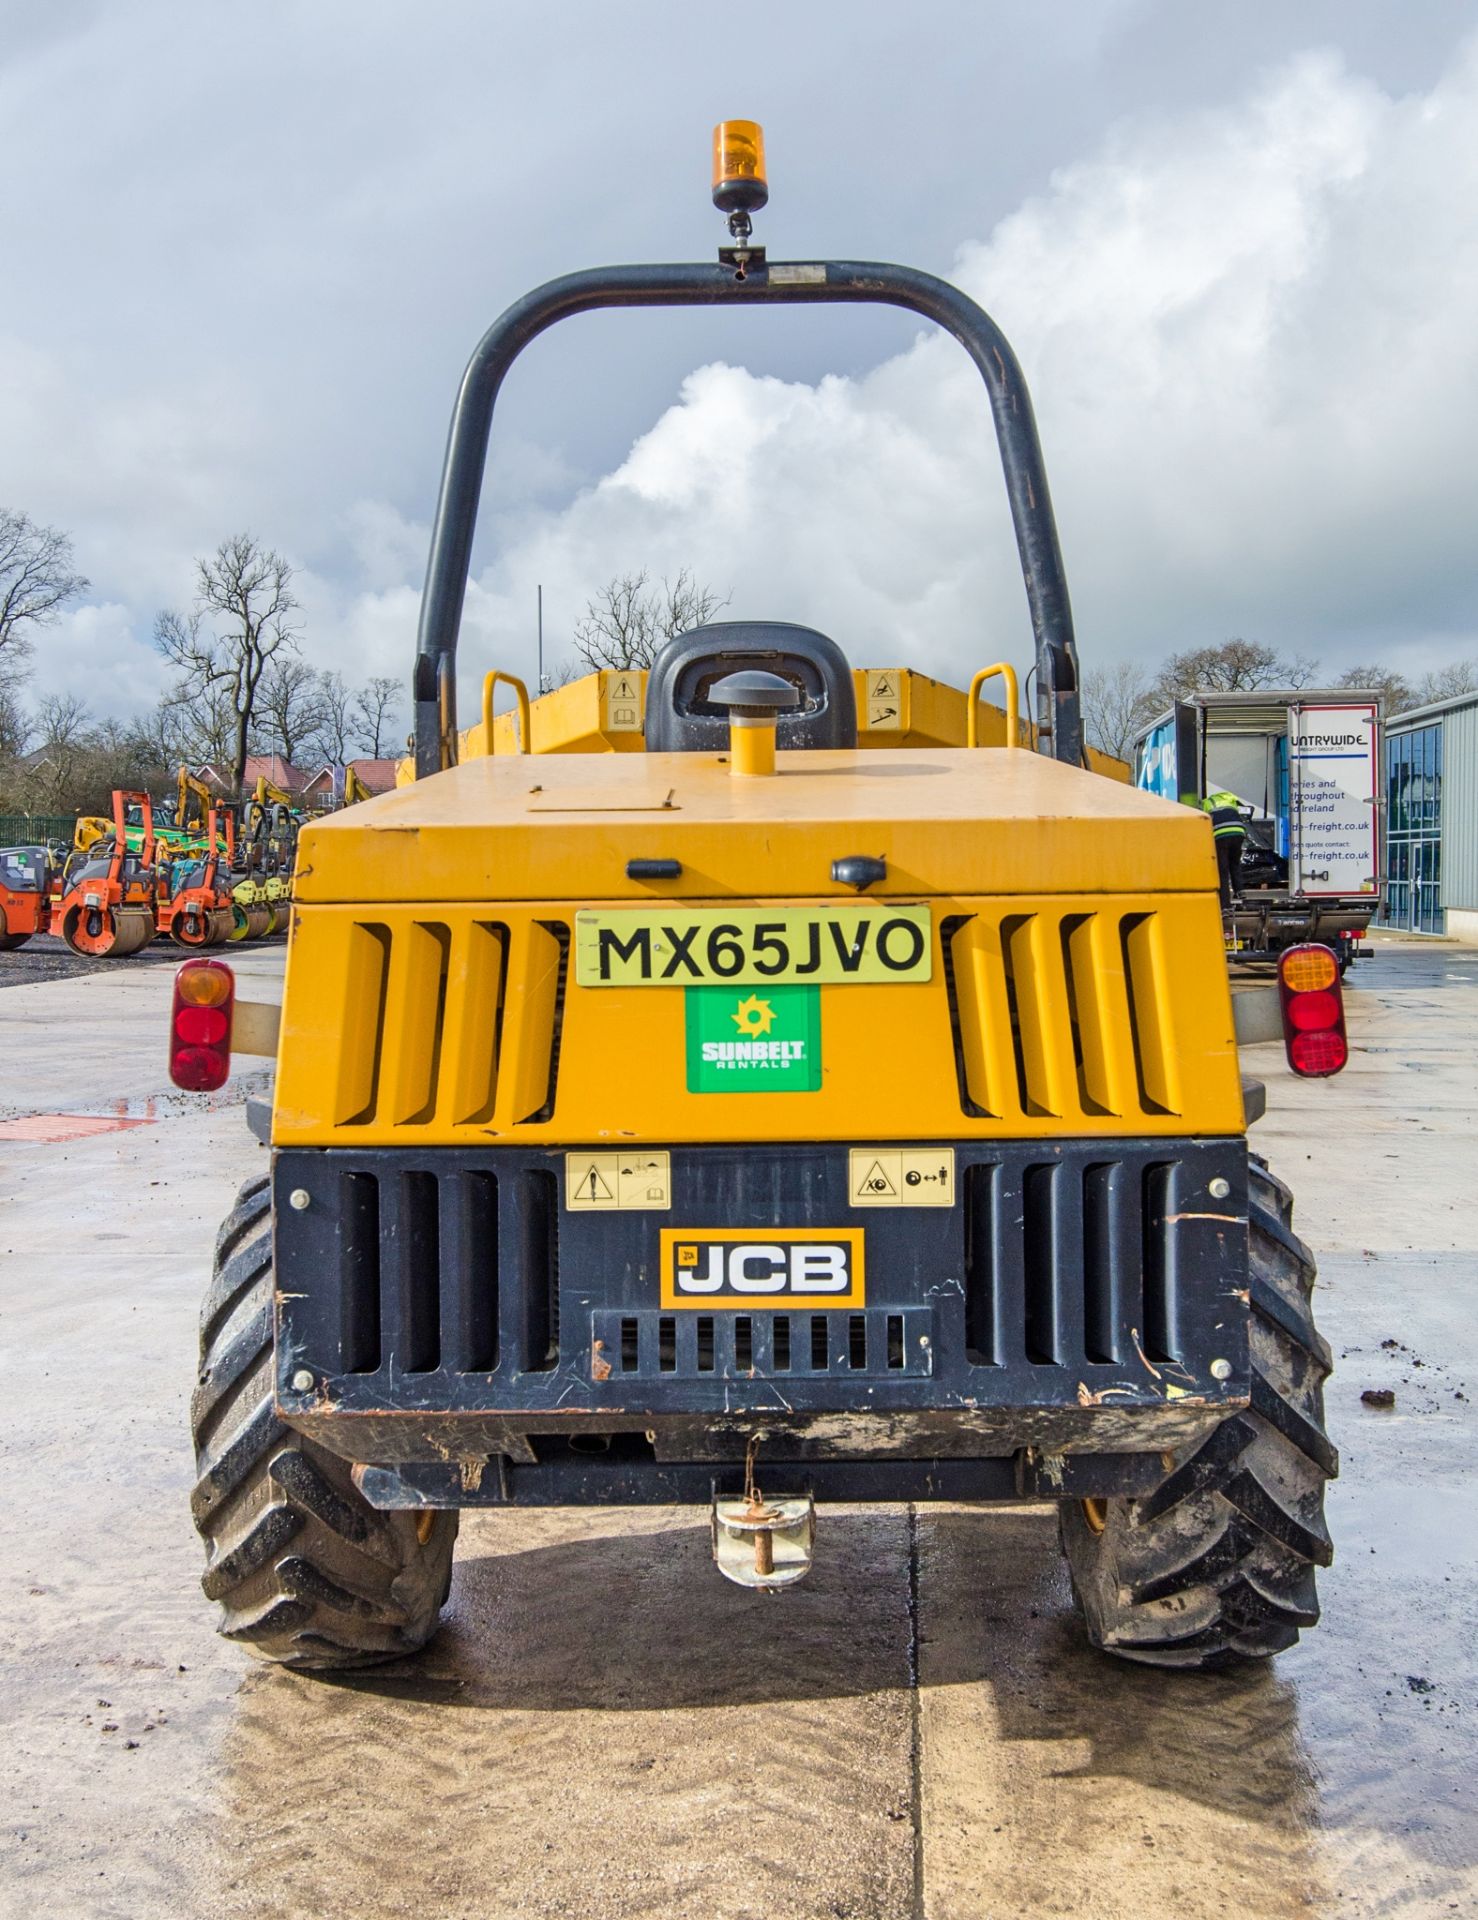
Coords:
pixel 760 1543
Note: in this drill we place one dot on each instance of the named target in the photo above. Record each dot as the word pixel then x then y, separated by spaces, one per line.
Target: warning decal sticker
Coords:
pixel 618 1182
pixel 885 699
pixel 621 699
pixel 901 1176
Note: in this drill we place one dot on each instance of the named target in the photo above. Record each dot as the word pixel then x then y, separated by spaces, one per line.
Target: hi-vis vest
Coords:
pixel 1226 820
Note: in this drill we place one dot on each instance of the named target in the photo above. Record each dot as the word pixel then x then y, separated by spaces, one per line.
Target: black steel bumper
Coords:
pixel 444 1318
pixel 1271 921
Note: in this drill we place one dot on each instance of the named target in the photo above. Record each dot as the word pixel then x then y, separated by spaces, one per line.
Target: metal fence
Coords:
pixel 33 829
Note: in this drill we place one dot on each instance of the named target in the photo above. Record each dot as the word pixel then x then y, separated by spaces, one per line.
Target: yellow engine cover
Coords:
pixel 1073 982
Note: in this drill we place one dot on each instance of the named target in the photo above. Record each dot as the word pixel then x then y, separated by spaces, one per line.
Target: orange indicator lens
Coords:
pixel 1307 969
pixel 203 983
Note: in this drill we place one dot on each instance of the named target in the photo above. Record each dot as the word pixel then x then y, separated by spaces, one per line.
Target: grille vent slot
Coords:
pixel 1059 1015
pixel 420 1260
pixel 451 1024
pixel 794 1345
pixel 1070 1265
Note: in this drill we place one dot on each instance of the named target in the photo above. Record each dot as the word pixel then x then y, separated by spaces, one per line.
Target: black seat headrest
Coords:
pixel 682 719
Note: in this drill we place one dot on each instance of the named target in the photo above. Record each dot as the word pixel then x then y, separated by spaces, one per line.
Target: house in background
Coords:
pixel 326 788
pixel 281 773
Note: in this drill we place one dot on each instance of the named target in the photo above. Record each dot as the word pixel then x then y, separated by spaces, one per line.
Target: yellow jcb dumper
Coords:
pixel 758 1120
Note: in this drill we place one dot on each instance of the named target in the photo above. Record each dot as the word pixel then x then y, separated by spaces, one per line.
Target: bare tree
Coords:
pixel 627 620
pixel 171 733
pixel 290 707
pixel 65 731
pixel 202 712
pixel 1233 667
pixel 81 761
pixel 376 707
pixel 1117 702
pixel 1459 676
pixel 334 734
pixel 15 732
pixel 244 608
pixel 1385 681
pixel 36 582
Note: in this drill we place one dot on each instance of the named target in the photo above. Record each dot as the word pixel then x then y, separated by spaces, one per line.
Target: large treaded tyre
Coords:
pixel 1216 1566
pixel 306 1571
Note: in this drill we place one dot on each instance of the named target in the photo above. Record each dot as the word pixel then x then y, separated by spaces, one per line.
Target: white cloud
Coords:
pixel 1249 337
pixel 96 654
pixel 1248 331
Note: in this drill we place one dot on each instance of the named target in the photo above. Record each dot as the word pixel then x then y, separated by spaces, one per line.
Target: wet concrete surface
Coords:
pixel 604 1727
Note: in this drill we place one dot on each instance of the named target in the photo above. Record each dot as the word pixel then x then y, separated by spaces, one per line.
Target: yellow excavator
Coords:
pixel 188 787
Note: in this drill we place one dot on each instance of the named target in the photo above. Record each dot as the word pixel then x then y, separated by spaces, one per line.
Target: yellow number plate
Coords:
pixel 753 946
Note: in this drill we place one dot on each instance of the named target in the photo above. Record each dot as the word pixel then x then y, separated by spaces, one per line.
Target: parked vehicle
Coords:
pixel 1305 768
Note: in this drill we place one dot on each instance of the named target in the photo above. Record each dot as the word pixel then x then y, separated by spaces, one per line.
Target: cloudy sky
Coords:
pixel 246 251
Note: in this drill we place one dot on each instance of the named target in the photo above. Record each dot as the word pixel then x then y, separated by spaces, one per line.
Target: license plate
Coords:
pixel 726 1268
pixel 754 946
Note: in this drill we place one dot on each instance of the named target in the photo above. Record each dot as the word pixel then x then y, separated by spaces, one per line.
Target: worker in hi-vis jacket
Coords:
pixel 1229 831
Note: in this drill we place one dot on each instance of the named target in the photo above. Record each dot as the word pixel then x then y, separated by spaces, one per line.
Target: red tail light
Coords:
pixel 1313 1011
pixel 200 1025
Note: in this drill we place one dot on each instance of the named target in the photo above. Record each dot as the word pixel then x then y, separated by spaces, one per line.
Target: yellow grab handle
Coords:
pixel 521 693
pixel 972 725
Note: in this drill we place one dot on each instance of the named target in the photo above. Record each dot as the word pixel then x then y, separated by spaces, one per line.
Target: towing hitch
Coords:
pixel 760 1543
pixel 764 1544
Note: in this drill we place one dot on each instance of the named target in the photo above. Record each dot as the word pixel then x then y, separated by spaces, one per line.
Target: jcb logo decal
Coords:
pixel 720 1267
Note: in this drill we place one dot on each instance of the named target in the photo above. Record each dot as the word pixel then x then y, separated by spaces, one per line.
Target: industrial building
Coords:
pixel 1432 819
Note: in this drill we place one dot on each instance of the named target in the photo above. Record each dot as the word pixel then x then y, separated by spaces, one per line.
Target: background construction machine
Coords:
pixel 704 1122
pixel 27 875
pixel 107 904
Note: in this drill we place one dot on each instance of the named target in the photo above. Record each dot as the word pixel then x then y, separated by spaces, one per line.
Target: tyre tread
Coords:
pixel 1216 1565
pixel 306 1572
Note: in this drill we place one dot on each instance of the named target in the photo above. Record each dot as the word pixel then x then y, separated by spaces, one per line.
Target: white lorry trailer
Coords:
pixel 1305 766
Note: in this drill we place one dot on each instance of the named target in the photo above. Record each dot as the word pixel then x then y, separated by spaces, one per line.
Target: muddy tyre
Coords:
pixel 1216 1566
pixel 307 1573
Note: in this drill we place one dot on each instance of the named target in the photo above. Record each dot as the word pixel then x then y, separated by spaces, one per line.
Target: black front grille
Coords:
pixel 689 1345
pixel 1069 1262
pixel 1084 1273
pixel 419 1256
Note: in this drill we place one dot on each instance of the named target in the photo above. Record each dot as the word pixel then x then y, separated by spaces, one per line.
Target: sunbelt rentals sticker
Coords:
pixel 753 1039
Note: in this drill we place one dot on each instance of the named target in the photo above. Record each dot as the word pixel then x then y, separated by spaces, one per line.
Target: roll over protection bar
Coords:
pixel 702 285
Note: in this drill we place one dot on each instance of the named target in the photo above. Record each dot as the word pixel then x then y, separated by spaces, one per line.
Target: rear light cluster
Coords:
pixel 200 1025
pixel 1313 1011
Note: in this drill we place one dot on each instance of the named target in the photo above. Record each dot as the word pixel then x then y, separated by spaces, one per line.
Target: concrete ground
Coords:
pixel 604 1727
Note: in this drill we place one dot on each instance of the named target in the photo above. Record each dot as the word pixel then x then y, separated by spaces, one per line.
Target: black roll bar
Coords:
pixel 702 285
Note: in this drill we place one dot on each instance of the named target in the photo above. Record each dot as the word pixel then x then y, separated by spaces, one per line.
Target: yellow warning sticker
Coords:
pixel 621 702
pixel 618 1182
pixel 901 1176
pixel 884 700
